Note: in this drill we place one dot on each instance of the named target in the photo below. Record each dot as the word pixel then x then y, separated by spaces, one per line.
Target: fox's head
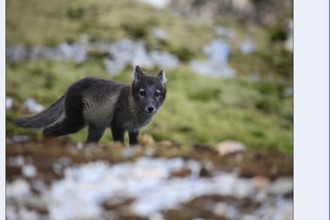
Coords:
pixel 148 91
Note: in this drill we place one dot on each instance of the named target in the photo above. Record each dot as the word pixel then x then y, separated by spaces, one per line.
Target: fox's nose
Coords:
pixel 150 109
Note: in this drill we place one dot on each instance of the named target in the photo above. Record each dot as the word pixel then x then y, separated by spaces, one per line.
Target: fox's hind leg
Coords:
pixel 73 120
pixel 94 134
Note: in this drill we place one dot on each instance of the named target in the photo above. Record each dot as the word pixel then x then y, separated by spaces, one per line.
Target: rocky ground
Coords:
pixel 66 180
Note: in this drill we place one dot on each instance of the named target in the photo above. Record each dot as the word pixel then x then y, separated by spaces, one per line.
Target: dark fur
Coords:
pixel 100 103
pixel 45 118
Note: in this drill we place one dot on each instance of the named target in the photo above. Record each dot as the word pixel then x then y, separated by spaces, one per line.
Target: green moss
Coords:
pixel 46 79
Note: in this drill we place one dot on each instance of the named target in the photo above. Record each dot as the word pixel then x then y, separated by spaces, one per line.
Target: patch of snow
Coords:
pixel 226 210
pixel 75 52
pixel 218 52
pixel 17 161
pixel 20 138
pixel 282 186
pixel 29 170
pixel 9 103
pixel 289 40
pixel 118 55
pixel 17 189
pixel 214 69
pixel 164 59
pixel 159 33
pixel 224 32
pixel 33 106
pixel 22 213
pixel 283 211
pixel 127 52
pixel 146 180
pixel 156 3
pixel 247 46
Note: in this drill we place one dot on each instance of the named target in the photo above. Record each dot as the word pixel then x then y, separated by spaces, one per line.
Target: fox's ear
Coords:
pixel 137 73
pixel 162 76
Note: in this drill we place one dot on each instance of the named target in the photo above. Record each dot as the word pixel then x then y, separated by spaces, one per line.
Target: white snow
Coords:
pixel 150 183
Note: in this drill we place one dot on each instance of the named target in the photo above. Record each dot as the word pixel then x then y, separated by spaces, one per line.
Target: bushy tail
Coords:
pixel 44 118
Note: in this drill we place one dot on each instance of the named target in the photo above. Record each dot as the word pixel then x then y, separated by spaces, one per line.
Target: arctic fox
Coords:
pixel 99 104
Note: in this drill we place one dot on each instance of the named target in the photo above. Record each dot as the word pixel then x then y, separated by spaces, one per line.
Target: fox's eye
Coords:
pixel 142 92
pixel 157 94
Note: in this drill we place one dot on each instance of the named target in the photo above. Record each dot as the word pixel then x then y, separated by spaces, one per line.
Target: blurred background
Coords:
pixel 229 66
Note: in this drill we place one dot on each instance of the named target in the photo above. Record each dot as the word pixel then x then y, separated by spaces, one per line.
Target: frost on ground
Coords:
pixel 152 185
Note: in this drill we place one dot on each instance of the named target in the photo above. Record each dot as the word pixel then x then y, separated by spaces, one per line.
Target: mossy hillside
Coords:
pixel 197 109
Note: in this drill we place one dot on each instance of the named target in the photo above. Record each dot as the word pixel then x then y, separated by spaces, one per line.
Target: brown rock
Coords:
pixel 230 147
pixel 147 140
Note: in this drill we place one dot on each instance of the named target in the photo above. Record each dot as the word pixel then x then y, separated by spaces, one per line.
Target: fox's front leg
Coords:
pixel 118 134
pixel 133 138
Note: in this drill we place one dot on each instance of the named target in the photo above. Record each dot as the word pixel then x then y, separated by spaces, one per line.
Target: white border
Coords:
pixel 311 109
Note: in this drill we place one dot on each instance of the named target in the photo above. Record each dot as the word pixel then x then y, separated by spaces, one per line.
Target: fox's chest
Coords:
pixel 136 122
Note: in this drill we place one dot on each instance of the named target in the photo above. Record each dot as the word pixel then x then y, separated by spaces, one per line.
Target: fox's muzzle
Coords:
pixel 150 109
